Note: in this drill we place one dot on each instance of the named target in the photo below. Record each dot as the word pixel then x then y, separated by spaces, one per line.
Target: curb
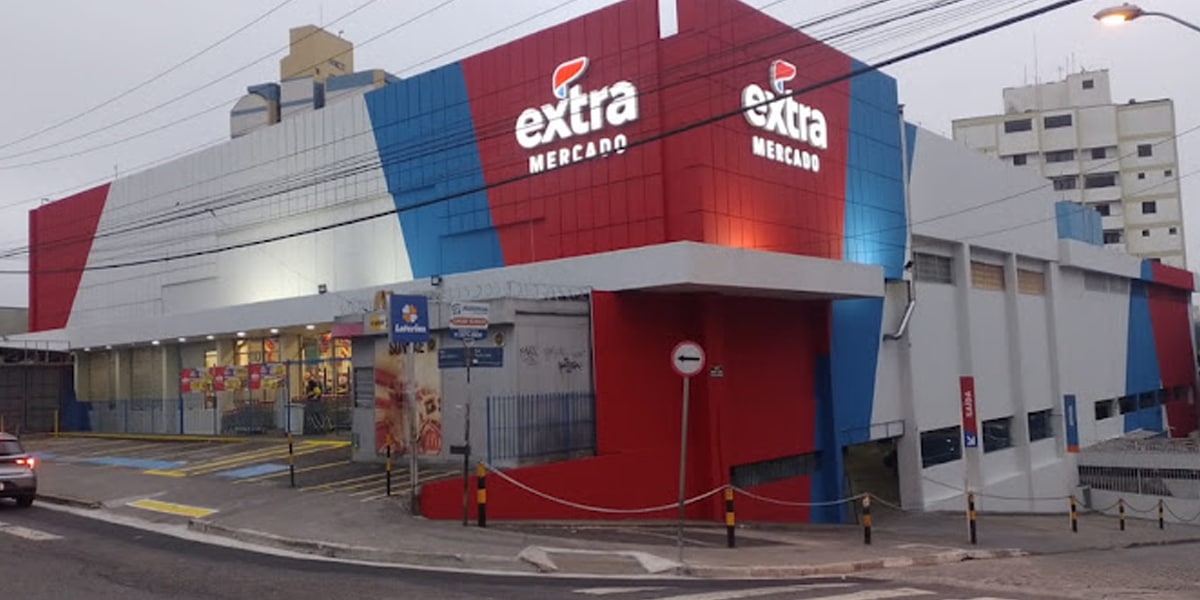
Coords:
pixel 147 437
pixel 848 567
pixel 360 553
pixel 69 501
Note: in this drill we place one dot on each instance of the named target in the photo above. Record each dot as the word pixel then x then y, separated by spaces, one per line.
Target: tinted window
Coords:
pixel 940 446
pixel 10 447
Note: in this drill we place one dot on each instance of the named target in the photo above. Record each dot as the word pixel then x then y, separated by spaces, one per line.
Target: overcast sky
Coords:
pixel 68 55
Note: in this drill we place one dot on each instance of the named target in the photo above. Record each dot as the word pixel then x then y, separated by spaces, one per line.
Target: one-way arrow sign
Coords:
pixel 687 358
pixel 970 441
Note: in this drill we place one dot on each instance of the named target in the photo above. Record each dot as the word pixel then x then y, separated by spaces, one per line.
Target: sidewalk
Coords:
pixel 385 532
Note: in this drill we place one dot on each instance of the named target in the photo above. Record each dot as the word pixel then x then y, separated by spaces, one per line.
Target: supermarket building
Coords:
pixel 609 187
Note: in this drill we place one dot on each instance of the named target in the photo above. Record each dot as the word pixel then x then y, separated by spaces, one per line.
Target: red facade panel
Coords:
pixel 60 237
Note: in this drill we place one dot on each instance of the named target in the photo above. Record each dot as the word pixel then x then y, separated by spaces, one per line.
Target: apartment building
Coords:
pixel 1120 159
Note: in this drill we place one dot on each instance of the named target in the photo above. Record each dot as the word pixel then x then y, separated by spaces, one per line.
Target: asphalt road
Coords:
pixel 52 554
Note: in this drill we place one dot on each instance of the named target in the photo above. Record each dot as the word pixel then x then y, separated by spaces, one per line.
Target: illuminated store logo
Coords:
pixel 785 117
pixel 577 113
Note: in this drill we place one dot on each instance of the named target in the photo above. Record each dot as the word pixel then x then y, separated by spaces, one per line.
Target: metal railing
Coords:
pixel 540 426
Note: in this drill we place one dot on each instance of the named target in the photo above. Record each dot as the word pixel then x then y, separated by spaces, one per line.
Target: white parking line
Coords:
pixel 27 533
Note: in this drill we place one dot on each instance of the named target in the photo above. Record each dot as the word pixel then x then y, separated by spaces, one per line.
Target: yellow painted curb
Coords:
pixel 171 508
pixel 159 437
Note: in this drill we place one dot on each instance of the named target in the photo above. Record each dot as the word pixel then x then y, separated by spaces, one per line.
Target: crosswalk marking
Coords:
pixel 877 594
pixel 27 533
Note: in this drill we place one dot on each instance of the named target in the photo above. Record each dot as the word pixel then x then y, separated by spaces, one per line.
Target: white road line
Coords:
pixel 604 591
pixel 771 591
pixel 29 534
pixel 876 594
pixel 762 591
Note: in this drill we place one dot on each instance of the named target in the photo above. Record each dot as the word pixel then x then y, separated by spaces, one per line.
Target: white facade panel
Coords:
pixel 1093 319
pixel 935 358
pixel 990 355
pixel 962 195
pixel 273 182
pixel 1034 331
pixel 1097 126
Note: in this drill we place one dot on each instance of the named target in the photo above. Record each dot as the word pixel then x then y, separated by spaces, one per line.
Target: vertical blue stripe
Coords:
pixel 845 395
pixel 826 483
pixel 910 139
pixel 426 141
pixel 1141 358
pixel 874 230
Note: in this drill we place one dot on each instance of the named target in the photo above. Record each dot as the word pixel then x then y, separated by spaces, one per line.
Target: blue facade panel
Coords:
pixel 427 150
pixel 875 222
pixel 1077 222
pixel 1141 358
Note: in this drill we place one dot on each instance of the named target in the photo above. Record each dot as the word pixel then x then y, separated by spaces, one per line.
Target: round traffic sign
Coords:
pixel 687 358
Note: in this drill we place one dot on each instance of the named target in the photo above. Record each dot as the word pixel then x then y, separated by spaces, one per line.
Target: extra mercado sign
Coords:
pixel 577 114
pixel 797 123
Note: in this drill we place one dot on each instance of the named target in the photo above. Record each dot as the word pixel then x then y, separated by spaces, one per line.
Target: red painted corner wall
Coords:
pixel 766 351
pixel 1172 335
pixel 60 239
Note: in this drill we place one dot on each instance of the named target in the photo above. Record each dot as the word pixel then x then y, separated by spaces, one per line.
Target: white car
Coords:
pixel 18 473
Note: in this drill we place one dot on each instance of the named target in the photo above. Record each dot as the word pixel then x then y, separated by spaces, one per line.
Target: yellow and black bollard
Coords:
pixel 730 521
pixel 1121 511
pixel 971 516
pixel 481 493
pixel 56 422
pixel 866 507
pixel 1074 516
pixel 291 460
pixel 1161 522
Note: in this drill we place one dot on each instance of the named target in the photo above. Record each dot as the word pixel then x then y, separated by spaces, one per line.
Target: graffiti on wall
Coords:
pixel 394 387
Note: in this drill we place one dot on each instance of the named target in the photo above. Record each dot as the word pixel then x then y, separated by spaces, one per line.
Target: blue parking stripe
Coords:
pixel 253 471
pixel 135 463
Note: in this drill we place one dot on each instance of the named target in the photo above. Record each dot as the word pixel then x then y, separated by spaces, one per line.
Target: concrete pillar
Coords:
pixel 966 365
pixel 1020 419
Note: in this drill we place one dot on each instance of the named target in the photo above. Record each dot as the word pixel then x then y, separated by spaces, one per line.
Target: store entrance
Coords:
pixel 871 467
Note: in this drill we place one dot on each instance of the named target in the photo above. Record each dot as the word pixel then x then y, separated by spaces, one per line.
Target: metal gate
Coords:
pixel 30 396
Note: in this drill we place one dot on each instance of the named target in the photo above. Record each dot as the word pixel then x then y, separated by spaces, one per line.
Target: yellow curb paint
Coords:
pixel 155 438
pixel 171 508
pixel 165 473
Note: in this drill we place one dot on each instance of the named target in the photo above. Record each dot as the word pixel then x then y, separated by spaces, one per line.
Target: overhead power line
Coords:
pixel 149 81
pixel 347 167
pixel 633 144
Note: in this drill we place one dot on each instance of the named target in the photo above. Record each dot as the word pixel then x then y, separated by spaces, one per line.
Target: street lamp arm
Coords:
pixel 1173 18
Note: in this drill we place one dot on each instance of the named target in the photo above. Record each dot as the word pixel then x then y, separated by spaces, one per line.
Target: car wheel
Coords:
pixel 25 501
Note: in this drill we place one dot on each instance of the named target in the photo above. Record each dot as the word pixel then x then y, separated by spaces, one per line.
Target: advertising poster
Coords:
pixel 393 388
pixel 191 381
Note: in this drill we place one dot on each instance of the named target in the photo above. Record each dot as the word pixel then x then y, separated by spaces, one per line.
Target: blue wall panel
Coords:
pixel 426 143
pixel 1141 358
pixel 875 225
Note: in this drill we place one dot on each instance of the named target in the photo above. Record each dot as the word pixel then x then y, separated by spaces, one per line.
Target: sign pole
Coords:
pixel 411 359
pixel 683 465
pixel 688 360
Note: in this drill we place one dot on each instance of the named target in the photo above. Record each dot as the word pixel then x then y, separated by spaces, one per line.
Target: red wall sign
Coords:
pixel 970 429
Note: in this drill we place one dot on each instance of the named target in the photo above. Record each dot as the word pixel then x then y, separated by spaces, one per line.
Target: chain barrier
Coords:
pixel 998 497
pixel 749 494
pixel 1179 518
pixel 601 509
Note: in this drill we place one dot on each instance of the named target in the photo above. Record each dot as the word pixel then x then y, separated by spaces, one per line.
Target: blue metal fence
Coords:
pixel 540 425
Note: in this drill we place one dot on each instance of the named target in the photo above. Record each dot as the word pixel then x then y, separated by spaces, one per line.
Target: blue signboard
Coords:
pixel 473 335
pixel 456 358
pixel 1072 420
pixel 408 319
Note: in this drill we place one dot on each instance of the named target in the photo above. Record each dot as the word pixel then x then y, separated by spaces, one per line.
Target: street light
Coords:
pixel 1124 13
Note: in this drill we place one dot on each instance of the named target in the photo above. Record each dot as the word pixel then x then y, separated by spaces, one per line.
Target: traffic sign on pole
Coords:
pixel 687 358
pixel 969 423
